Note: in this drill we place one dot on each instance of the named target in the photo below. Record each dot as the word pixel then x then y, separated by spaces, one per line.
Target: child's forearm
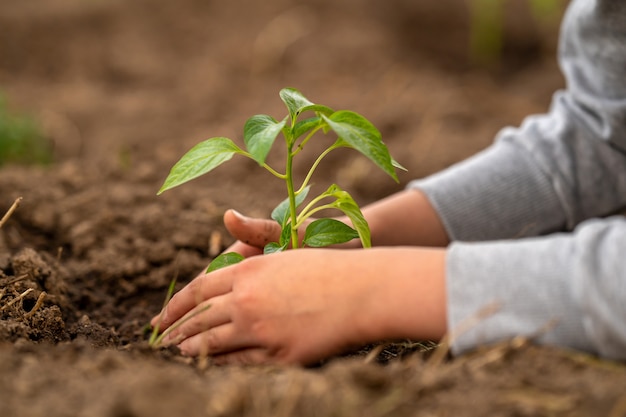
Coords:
pixel 405 218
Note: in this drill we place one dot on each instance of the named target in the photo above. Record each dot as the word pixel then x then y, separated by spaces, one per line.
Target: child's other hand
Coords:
pixel 251 234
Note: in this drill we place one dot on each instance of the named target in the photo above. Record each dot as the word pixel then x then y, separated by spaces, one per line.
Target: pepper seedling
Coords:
pixel 260 132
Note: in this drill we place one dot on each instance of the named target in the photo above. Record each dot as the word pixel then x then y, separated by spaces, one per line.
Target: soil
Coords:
pixel 122 89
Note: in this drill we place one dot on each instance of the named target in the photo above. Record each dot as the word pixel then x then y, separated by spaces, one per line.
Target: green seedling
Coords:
pixel 487 25
pixel 21 140
pixel 156 339
pixel 260 132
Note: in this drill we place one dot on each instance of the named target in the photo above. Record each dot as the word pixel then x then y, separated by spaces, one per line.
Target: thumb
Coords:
pixel 254 232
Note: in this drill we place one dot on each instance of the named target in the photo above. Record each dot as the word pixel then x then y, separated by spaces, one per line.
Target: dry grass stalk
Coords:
pixel 215 244
pixel 373 354
pixel 37 305
pixel 442 350
pixel 16 299
pixel 9 212
pixel 14 280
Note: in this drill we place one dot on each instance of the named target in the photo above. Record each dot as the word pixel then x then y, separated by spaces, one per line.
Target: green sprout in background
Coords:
pixel 260 132
pixel 487 25
pixel 21 140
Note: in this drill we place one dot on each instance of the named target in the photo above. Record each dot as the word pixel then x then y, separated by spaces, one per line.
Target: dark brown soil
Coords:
pixel 122 89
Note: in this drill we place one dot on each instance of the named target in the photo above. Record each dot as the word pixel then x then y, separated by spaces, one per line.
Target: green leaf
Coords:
pixel 224 260
pixel 281 213
pixel 285 235
pixel 200 159
pixel 325 232
pixel 281 245
pixel 273 247
pixel 359 133
pixel 397 164
pixel 350 208
pixel 296 103
pixel 306 125
pixel 259 134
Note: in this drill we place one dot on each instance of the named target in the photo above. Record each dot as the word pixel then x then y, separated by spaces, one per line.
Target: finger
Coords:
pixel 203 287
pixel 253 232
pixel 244 250
pixel 209 314
pixel 251 356
pixel 217 340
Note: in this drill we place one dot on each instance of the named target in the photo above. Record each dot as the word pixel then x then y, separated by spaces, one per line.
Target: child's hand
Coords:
pixel 405 218
pixel 251 234
pixel 304 305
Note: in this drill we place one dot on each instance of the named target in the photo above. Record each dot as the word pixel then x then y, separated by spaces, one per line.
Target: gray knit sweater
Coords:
pixel 532 217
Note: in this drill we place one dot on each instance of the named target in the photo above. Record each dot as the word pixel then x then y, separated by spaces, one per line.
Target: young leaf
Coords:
pixel 350 208
pixel 200 159
pixel 357 132
pixel 285 235
pixel 397 164
pixel 273 247
pixel 304 126
pixel 224 260
pixel 259 134
pixel 296 103
pixel 294 100
pixel 281 245
pixel 325 232
pixel 281 213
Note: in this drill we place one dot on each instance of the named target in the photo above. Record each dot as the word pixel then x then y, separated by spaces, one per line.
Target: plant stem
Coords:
pixel 314 167
pixel 309 136
pixel 267 167
pixel 292 199
pixel 170 292
pixel 159 340
pixel 304 213
pixel 274 173
pixel 302 218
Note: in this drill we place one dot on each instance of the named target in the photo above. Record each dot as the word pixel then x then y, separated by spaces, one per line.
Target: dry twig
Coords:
pixel 14 280
pixel 16 299
pixel 444 346
pixel 8 214
pixel 37 306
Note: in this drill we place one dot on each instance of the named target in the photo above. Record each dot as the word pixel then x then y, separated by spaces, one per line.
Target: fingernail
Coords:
pixel 240 216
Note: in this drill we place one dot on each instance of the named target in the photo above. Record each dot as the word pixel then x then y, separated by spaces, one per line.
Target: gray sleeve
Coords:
pixel 556 169
pixel 572 285
pixel 550 175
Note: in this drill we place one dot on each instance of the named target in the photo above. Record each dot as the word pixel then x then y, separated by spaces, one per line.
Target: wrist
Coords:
pixel 408 299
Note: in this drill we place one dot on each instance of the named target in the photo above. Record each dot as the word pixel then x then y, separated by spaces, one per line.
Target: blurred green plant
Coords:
pixel 21 139
pixel 487 25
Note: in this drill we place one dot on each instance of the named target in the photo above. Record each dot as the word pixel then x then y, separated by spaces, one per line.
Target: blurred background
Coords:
pixel 129 85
